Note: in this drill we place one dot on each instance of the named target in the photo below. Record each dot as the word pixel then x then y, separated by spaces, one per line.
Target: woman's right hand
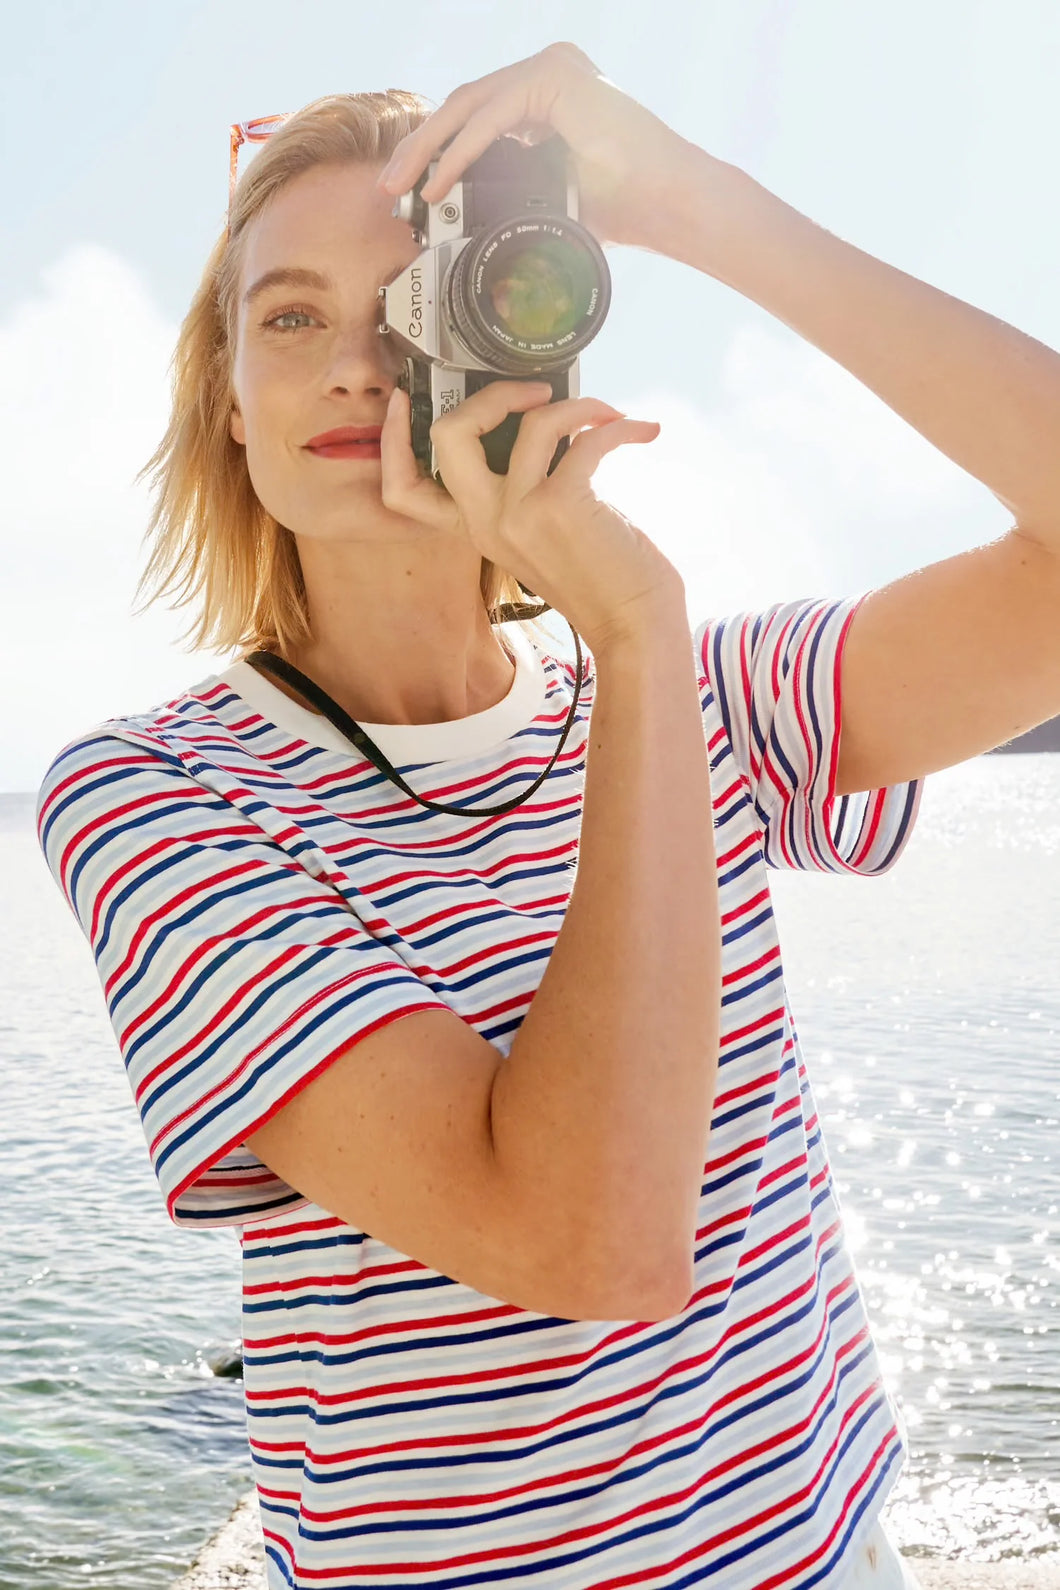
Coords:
pixel 552 532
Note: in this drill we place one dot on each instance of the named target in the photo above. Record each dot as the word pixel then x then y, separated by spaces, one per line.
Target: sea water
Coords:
pixel 928 1005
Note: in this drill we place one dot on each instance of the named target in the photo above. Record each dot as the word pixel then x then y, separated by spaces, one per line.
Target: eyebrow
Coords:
pixel 288 276
pixel 300 276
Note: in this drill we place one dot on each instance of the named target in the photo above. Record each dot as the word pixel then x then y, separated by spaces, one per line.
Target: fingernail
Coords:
pixel 386 175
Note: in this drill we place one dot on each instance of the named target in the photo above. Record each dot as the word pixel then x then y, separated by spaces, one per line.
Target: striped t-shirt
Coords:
pixel 257 896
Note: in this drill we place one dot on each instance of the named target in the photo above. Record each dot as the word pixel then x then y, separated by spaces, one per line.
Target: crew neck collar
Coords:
pixel 404 743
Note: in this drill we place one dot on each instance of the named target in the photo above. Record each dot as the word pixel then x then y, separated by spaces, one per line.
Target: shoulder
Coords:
pixel 92 768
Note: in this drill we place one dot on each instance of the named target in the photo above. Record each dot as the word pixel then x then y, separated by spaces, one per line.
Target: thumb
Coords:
pixel 404 490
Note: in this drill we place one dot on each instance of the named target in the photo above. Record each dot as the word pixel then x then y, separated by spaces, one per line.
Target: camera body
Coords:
pixel 509 286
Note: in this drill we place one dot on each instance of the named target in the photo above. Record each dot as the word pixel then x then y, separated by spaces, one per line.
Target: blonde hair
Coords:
pixel 215 547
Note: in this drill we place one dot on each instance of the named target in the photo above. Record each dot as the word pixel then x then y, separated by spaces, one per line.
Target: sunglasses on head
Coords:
pixel 249 132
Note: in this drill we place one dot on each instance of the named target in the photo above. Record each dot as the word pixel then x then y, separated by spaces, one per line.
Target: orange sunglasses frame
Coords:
pixel 252 132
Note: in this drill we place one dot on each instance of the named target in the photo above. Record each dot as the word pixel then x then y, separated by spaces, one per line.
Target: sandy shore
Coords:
pixel 233 1560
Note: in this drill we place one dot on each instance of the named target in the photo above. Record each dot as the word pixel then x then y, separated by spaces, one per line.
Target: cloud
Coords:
pixel 83 403
pixel 797 481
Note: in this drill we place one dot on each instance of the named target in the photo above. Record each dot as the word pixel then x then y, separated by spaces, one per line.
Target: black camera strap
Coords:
pixel 268 662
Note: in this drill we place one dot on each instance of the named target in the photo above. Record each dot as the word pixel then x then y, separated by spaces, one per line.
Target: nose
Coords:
pixel 362 362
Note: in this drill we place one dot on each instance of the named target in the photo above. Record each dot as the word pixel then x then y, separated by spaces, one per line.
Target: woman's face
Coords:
pixel 308 356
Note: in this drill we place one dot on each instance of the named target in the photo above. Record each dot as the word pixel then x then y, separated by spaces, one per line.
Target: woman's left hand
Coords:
pixel 630 165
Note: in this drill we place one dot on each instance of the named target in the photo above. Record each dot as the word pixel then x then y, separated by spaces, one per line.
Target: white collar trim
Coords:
pixel 403 743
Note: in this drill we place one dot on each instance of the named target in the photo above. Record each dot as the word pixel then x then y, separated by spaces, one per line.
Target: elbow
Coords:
pixel 657 1297
pixel 645 1307
pixel 672 1302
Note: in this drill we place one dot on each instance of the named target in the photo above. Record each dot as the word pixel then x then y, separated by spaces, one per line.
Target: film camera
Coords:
pixel 509 286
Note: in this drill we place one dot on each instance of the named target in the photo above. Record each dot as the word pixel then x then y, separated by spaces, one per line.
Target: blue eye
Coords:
pixel 286 314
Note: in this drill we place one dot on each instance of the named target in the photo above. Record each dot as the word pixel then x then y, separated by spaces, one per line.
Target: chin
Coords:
pixel 361 518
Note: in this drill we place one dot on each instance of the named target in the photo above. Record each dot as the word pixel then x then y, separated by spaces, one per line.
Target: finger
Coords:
pixel 400 470
pixel 491 122
pixel 536 72
pixel 418 147
pixel 461 459
pixel 585 452
pixel 487 407
pixel 540 434
pixel 404 488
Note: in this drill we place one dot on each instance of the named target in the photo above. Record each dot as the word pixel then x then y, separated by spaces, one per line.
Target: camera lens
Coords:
pixel 528 294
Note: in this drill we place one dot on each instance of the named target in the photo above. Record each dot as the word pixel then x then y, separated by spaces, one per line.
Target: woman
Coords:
pixel 447 1044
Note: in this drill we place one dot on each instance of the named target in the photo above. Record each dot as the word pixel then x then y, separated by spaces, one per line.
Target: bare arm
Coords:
pixel 982 392
pixel 601 1112
pixel 964 654
pixel 564 1178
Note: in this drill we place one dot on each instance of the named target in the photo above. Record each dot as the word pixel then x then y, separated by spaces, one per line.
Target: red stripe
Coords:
pixel 568 1537
pixel 582 1473
pixel 169 907
pixel 736 1033
pixel 195 1040
pixel 238 930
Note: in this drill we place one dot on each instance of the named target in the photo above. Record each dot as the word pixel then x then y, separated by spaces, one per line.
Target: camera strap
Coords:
pixel 268 662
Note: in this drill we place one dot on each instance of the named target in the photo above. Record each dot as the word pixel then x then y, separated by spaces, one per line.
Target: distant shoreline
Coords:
pixel 1046 737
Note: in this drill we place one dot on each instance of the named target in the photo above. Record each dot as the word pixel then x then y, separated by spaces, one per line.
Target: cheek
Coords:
pixel 260 427
pixel 259 398
pixel 271 386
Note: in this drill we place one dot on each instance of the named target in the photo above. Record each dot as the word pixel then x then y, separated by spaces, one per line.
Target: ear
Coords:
pixel 236 428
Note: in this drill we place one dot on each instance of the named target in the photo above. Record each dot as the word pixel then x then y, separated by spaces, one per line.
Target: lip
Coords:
pixel 345 435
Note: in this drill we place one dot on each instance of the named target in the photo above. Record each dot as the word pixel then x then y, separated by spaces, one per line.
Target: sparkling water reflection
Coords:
pixel 929 1007
pixel 929 1010
pixel 119 1450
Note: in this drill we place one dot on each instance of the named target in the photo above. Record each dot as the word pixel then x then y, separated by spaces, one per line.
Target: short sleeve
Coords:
pixel 232 977
pixel 776 679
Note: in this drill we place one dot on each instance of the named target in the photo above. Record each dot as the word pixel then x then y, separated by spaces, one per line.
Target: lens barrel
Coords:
pixel 528 294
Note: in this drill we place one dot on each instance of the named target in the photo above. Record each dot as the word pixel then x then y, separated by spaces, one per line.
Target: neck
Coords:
pixel 400 639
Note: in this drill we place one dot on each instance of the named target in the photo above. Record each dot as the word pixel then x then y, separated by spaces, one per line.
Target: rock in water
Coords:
pixel 228 1365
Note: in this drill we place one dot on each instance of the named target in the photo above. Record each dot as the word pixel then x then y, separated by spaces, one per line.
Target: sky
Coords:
pixel 926 132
